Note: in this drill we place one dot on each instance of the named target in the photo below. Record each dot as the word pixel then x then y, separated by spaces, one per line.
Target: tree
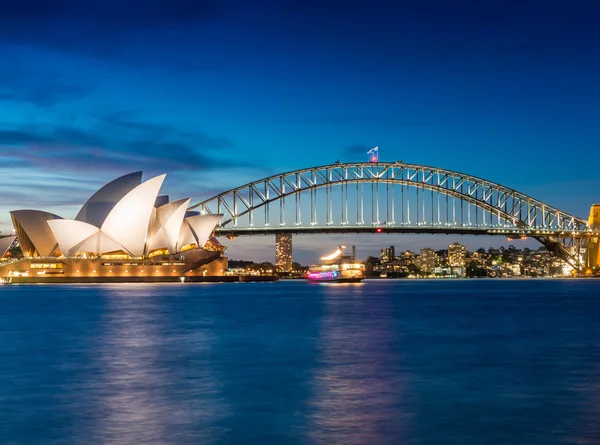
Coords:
pixel 297 266
pixel 370 263
pixel 413 269
pixel 241 264
pixel 473 270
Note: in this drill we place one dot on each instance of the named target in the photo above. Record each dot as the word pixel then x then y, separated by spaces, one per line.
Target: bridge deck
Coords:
pixel 423 229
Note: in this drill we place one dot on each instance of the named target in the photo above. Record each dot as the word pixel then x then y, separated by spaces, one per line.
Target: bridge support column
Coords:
pixel 283 252
pixel 593 248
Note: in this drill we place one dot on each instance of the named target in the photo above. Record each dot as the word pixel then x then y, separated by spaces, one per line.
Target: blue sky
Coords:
pixel 218 93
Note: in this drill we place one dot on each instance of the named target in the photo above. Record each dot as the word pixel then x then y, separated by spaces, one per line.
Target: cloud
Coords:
pixel 40 89
pixel 19 137
pixel 125 123
pixel 117 144
pixel 357 149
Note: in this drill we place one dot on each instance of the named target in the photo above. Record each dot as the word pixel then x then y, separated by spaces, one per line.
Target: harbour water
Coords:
pixel 465 362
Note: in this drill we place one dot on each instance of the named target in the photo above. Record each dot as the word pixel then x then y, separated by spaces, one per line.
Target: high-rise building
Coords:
pixel 387 254
pixel 408 257
pixel 427 260
pixel 283 252
pixel 456 255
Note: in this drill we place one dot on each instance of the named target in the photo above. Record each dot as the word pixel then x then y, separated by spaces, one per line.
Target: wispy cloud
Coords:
pixel 357 149
pixel 39 89
pixel 112 144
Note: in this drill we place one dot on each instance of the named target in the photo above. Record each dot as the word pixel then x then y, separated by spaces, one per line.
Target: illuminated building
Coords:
pixel 387 254
pixel 427 260
pixel 283 252
pixel 408 257
pixel 456 255
pixel 124 231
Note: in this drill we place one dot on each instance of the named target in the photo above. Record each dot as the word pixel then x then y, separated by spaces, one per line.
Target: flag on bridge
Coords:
pixel 374 152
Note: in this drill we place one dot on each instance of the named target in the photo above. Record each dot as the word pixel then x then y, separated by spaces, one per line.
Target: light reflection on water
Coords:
pixel 142 397
pixel 413 362
pixel 358 384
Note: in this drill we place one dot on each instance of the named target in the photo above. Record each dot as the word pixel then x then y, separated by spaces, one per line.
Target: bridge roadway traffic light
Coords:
pixel 378 230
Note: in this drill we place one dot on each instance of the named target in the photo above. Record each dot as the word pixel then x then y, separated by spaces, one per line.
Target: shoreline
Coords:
pixel 115 280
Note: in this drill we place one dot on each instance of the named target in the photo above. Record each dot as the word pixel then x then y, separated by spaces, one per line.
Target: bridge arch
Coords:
pixel 401 198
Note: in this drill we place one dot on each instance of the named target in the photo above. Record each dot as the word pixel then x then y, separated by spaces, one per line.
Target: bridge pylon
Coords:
pixel 594 242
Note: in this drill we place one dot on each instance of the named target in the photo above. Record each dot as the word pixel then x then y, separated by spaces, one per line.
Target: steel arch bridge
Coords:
pixel 395 197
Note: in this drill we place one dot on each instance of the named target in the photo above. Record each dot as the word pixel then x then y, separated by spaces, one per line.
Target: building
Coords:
pixel 427 260
pixel 387 255
pixel 407 258
pixel 125 231
pixel 456 255
pixel 515 269
pixel 283 252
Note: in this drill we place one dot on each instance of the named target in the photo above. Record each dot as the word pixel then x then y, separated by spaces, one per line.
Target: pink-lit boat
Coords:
pixel 337 268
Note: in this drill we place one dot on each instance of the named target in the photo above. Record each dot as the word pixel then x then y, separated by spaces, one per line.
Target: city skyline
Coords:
pixel 223 93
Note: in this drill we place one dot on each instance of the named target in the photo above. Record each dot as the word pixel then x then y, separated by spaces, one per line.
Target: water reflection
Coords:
pixel 358 386
pixel 155 383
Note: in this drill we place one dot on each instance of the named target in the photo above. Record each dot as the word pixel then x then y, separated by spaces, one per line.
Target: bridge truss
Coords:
pixel 395 198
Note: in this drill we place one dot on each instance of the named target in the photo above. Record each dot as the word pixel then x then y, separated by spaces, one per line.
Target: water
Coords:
pixel 390 362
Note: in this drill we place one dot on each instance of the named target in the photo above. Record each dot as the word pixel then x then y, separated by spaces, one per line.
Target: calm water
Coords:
pixel 391 362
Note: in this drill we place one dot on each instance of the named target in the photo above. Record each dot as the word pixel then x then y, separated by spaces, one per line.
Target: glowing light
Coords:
pixel 324 276
pixel 333 256
pixel 379 230
pixel 374 152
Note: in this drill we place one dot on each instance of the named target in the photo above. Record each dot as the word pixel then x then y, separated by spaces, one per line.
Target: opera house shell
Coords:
pixel 124 220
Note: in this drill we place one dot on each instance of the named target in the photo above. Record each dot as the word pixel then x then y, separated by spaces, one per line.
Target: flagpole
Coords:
pixel 375 152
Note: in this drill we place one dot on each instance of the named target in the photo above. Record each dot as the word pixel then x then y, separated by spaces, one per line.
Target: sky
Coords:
pixel 219 93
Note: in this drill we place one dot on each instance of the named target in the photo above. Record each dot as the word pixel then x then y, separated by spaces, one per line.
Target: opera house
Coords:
pixel 125 232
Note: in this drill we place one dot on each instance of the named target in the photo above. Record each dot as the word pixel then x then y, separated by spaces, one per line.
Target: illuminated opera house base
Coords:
pixel 198 265
pixel 125 232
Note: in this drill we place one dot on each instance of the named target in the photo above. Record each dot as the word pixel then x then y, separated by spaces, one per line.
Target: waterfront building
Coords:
pixel 388 254
pixel 283 252
pixel 456 255
pixel 427 260
pixel 515 269
pixel 125 231
pixel 480 258
pixel 408 257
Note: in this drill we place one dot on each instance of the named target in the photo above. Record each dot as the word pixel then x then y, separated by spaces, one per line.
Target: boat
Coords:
pixel 337 268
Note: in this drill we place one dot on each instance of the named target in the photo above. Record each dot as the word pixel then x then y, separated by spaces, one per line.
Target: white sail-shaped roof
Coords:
pixel 5 243
pixel 167 221
pixel 186 236
pixel 98 243
pixel 129 220
pixel 33 231
pixel 97 208
pixel 202 226
pixel 70 234
pixel 122 216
